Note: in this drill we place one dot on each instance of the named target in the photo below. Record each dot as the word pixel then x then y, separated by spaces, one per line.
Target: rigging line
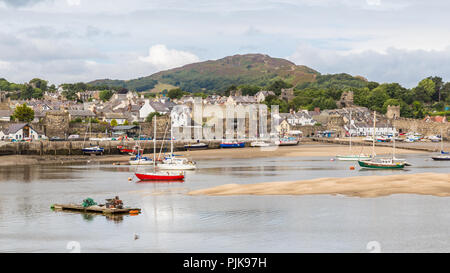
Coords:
pixel 162 143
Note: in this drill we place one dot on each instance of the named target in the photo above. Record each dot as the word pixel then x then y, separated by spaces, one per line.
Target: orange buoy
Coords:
pixel 352 168
pixel 134 212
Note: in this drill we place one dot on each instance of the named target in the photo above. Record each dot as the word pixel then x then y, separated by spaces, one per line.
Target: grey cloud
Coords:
pixel 20 3
pixel 406 67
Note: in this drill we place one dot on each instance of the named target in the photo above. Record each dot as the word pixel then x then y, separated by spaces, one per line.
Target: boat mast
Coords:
pixel 154 144
pixel 373 137
pixel 171 138
pixel 350 130
pixel 393 150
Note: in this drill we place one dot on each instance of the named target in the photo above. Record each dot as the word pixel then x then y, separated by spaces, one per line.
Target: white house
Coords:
pixel 19 131
pixel 151 107
pixel 119 117
pixel 180 116
pixel 363 129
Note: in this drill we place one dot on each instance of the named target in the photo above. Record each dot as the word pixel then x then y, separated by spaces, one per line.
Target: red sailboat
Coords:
pixel 159 176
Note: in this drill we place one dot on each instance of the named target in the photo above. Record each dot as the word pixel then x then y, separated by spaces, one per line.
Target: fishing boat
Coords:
pixel 232 144
pixel 196 146
pixel 386 163
pixel 352 157
pixel 443 156
pixel 383 163
pixel 159 176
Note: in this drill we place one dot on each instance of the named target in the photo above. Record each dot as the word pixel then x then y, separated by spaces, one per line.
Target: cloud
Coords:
pixel 21 3
pixel 163 58
pixel 73 2
pixel 406 67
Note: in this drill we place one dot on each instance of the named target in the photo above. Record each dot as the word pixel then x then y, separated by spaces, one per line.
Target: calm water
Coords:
pixel 174 222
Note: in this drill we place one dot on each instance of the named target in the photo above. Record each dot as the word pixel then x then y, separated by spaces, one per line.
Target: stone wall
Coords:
pixel 92 130
pixel 423 127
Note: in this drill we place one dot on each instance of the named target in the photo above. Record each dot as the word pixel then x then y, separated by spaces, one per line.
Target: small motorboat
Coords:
pixel 96 150
pixel 160 176
pixel 196 146
pixel 233 144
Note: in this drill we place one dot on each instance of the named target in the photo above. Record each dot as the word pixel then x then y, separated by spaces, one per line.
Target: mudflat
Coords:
pixel 436 184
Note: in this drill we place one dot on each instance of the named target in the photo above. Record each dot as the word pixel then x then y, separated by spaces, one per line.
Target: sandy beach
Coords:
pixel 309 150
pixel 370 186
pixel 290 151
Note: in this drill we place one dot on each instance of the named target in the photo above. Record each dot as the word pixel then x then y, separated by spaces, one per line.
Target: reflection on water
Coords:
pixel 172 221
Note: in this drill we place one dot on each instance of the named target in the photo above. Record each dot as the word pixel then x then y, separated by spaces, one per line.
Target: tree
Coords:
pixel 125 122
pixel 377 98
pixel 175 93
pixel 151 115
pixel 114 122
pixel 38 83
pixel 105 95
pixel 277 85
pixel 23 113
pixel 424 90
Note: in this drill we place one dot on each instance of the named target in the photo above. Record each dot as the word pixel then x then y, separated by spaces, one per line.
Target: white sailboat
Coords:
pixel 175 163
pixel 352 157
pixel 443 156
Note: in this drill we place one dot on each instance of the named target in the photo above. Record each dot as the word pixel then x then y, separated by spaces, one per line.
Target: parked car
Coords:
pixel 55 138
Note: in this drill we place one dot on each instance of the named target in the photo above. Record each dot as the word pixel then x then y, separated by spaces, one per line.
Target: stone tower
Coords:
pixel 346 100
pixel 287 94
pixel 393 111
pixel 56 123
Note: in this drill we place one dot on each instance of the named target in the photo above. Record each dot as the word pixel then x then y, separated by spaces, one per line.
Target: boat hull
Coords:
pixel 376 165
pixel 352 157
pixel 195 147
pixel 141 162
pixel 95 151
pixel 176 167
pixel 441 158
pixel 158 177
pixel 232 145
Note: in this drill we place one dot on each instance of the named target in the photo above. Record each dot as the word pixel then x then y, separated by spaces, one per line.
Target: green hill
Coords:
pixel 218 75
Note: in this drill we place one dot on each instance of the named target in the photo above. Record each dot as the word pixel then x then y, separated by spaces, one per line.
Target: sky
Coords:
pixel 67 41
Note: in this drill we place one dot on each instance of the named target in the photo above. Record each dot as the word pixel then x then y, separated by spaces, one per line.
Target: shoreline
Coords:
pixel 435 184
pixel 301 150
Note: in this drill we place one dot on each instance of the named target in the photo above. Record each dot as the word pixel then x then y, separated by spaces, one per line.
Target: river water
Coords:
pixel 172 221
